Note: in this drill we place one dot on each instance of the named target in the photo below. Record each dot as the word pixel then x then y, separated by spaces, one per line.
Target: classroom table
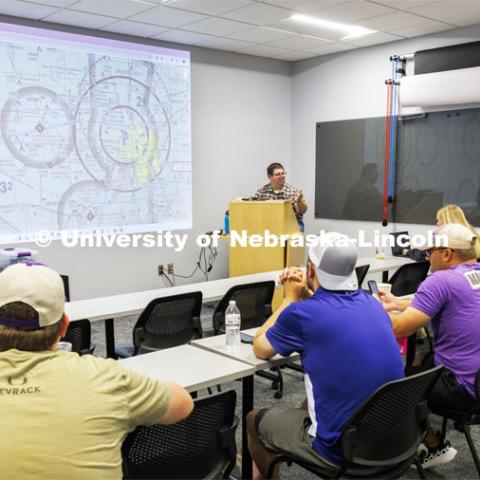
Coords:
pixel 243 353
pixel 389 263
pixel 116 306
pixel 197 368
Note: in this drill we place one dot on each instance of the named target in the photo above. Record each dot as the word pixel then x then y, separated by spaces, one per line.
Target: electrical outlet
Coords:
pixel 160 269
pixel 170 268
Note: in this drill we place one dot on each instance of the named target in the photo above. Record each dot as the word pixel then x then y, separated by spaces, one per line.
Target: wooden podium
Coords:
pixel 257 218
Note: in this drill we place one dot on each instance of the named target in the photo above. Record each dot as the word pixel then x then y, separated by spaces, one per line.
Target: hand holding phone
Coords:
pixel 373 288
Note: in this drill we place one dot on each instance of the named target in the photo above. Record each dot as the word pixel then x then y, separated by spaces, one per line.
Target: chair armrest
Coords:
pixel 349 441
pixel 87 351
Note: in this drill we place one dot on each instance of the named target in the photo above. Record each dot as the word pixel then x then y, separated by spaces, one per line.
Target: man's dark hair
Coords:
pixel 271 168
pixel 36 340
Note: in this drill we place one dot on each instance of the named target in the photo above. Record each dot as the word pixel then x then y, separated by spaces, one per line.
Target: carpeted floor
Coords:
pixel 461 468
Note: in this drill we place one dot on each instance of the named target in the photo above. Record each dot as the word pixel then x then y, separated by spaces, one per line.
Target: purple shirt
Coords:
pixel 451 298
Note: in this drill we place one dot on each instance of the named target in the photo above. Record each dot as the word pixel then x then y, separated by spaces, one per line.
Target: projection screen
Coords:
pixel 95 135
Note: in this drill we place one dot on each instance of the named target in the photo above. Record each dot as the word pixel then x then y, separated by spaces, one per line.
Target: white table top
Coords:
pixel 389 263
pixel 244 353
pixel 122 305
pixel 192 368
pixel 102 308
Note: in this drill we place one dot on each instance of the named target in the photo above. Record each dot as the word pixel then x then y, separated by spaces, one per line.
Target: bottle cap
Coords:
pixel 232 302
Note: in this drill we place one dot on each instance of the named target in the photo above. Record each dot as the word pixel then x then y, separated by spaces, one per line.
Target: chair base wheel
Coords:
pixel 278 395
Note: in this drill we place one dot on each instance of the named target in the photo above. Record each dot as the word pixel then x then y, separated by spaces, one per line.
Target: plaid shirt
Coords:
pixel 288 192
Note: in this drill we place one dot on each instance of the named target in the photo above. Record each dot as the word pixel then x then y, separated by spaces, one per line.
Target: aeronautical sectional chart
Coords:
pixel 92 141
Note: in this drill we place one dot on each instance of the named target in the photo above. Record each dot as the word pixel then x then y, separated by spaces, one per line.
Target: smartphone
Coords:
pixel 373 287
pixel 244 338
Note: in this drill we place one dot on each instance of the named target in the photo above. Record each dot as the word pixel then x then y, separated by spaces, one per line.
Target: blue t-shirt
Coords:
pixel 348 350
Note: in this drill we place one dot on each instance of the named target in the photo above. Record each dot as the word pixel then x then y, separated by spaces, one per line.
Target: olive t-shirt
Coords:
pixel 63 416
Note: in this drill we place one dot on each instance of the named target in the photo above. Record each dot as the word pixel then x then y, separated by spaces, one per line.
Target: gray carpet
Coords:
pixel 461 468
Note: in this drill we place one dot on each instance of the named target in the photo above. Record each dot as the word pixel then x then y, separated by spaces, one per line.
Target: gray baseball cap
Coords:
pixel 334 256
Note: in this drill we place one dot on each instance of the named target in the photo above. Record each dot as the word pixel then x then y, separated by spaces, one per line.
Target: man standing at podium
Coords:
pixel 278 189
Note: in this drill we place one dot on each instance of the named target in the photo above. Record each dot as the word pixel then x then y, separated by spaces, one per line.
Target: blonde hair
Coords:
pixel 454 214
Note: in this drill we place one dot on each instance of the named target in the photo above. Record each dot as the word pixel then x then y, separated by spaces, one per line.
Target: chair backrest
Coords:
pixel 391 423
pixel 254 300
pixel 196 447
pixel 361 274
pixel 66 286
pixel 79 335
pixel 405 243
pixel 408 277
pixel 169 321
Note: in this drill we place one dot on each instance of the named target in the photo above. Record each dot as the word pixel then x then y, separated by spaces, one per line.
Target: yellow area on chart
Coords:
pixel 144 150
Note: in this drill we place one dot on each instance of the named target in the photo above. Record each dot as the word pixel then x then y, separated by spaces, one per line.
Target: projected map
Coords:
pixel 94 136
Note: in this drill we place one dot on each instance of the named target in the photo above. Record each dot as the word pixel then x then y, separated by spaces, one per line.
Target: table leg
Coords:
pixel 247 406
pixel 385 276
pixel 109 338
pixel 411 350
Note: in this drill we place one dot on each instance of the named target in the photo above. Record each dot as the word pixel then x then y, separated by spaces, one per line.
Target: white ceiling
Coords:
pixel 255 27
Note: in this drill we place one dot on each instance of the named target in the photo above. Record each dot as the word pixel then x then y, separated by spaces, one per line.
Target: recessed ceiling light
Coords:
pixel 351 31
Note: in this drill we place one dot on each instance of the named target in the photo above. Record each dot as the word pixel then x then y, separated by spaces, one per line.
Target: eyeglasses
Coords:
pixel 428 253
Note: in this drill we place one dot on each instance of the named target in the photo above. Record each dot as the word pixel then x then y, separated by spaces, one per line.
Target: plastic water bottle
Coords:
pixel 226 222
pixel 232 325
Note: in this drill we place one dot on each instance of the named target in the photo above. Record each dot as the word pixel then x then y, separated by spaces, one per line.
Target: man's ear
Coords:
pixel 65 322
pixel 310 270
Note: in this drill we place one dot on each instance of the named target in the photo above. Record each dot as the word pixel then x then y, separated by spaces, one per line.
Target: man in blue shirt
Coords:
pixel 347 347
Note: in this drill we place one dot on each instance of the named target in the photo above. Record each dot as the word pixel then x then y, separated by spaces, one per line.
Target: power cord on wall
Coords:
pixel 206 268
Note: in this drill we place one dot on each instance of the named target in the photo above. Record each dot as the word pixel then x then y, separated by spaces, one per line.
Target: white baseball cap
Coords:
pixel 37 286
pixel 452 235
pixel 334 256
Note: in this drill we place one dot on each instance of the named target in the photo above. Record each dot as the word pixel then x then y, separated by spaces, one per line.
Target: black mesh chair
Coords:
pixel 408 277
pixel 406 281
pixel 381 438
pixel 200 446
pixel 166 322
pixel 254 300
pixel 361 273
pixel 79 335
pixel 463 421
pixel 66 286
